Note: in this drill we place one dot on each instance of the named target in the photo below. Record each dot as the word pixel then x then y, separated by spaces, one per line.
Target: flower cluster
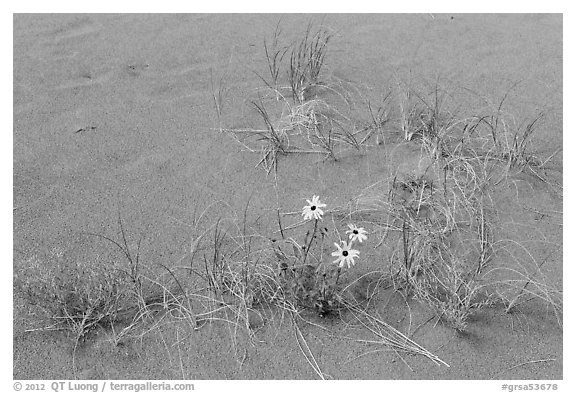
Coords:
pixel 344 253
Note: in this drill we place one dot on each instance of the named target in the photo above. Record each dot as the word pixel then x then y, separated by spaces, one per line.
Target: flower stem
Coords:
pixel 310 242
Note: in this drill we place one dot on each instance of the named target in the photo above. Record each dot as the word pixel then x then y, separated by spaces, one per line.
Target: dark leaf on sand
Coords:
pixel 87 128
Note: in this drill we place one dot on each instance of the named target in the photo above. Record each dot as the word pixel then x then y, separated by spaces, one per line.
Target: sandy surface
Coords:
pixel 139 88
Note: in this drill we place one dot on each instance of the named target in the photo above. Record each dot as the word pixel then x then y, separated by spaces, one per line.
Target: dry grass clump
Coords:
pixel 309 112
pixel 69 295
pixel 121 295
pixel 493 138
pixel 306 62
pixel 244 279
pixel 446 248
pixel 445 243
pixel 426 117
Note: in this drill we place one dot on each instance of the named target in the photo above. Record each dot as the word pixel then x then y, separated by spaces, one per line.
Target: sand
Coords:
pixel 114 112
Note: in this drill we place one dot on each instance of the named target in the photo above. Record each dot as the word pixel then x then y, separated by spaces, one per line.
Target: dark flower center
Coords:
pixel 345 253
pixel 355 232
pixel 312 208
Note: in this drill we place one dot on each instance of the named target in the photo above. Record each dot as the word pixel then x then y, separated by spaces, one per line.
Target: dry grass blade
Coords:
pixel 306 351
pixel 276 140
pixel 219 92
pixel 390 336
pixel 274 56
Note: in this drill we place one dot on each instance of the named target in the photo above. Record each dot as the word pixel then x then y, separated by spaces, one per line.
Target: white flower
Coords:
pixel 355 233
pixel 345 254
pixel 313 209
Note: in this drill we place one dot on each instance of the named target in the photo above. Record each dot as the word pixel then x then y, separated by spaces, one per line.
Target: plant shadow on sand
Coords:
pixel 416 265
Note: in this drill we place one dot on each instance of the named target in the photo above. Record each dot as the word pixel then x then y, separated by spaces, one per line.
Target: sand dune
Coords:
pixel 115 112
